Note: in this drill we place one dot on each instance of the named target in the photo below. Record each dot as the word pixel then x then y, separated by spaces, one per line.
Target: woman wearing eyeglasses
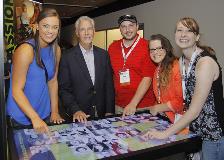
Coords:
pixel 167 78
pixel 203 92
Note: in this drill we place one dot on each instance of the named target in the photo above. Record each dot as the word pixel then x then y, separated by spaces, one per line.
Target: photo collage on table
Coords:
pixel 94 140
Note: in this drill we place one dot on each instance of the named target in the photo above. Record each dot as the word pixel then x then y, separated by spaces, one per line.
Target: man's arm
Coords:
pixel 139 94
pixel 147 69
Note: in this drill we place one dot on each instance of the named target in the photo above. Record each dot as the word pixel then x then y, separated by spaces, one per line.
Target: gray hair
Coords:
pixel 78 21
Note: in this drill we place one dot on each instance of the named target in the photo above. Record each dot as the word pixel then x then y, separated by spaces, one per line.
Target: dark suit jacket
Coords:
pixel 76 89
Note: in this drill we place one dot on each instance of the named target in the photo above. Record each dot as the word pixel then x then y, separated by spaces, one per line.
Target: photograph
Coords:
pixel 26 13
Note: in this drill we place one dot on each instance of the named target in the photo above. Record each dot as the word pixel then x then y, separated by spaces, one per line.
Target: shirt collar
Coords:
pixel 84 50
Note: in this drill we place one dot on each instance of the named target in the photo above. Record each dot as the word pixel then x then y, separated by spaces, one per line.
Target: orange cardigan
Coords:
pixel 172 95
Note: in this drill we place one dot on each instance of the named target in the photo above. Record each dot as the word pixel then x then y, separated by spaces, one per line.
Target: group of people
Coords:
pixel 134 75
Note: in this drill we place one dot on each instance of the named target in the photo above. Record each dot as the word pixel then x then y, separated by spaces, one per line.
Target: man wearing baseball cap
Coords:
pixel 133 69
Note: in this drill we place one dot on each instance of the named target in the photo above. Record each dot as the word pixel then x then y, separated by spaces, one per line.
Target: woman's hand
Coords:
pixel 154 134
pixel 39 125
pixel 56 118
pixel 153 110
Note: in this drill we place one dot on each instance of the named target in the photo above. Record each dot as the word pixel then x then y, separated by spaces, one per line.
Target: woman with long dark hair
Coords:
pixel 33 94
pixel 167 78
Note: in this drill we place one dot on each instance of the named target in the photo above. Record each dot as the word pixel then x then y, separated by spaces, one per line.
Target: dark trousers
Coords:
pixel 14 124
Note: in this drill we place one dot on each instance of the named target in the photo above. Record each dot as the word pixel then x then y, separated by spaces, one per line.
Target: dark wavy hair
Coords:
pixel 193 26
pixel 167 63
pixel 46 12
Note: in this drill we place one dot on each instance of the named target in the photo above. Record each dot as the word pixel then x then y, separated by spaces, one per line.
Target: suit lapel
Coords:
pixel 82 64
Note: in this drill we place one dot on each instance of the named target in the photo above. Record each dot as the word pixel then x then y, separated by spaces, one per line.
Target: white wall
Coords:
pixel 160 16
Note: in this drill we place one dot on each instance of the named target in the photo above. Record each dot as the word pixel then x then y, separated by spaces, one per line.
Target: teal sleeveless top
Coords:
pixel 36 88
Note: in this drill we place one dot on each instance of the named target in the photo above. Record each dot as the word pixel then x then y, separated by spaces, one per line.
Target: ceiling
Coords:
pixel 70 10
pixel 73 8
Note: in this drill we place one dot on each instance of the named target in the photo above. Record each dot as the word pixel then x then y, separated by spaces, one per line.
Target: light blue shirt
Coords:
pixel 89 59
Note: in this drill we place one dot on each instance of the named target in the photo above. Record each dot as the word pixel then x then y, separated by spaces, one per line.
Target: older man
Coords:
pixel 133 69
pixel 85 76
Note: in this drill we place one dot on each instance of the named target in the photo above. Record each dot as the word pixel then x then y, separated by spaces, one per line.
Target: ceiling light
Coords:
pixel 37 1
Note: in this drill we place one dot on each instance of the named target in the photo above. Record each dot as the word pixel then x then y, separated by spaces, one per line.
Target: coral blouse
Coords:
pixel 172 94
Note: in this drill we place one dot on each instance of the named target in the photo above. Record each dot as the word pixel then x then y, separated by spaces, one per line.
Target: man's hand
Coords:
pixel 129 110
pixel 56 118
pixel 108 114
pixel 80 116
pixel 39 125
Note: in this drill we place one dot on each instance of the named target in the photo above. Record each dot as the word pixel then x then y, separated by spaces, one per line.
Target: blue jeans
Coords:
pixel 213 150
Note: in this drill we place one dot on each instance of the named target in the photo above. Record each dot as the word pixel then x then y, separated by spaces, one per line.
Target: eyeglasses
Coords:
pixel 156 49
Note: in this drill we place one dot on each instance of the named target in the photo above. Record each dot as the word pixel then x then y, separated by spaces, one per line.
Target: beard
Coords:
pixel 129 38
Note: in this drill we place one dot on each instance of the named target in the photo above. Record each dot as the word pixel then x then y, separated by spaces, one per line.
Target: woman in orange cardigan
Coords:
pixel 167 79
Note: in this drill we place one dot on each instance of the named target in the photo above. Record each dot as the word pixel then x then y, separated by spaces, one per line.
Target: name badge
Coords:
pixel 124 77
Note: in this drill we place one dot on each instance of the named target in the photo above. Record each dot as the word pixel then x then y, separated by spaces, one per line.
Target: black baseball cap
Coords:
pixel 127 17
